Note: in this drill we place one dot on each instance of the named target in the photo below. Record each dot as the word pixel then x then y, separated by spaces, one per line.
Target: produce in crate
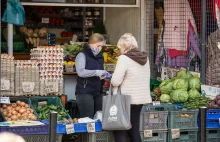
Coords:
pixel 179 96
pixel 214 104
pixel 196 103
pixel 18 111
pixel 44 111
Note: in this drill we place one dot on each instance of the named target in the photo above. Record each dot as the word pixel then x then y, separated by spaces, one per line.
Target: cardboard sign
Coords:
pixel 52 86
pixel 91 127
pixel 175 133
pixel 5 84
pixel 148 134
pixel 28 86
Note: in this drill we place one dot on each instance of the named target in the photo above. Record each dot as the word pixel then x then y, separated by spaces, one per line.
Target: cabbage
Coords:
pixel 179 96
pixel 184 74
pixel 195 83
pixel 165 98
pixel 193 94
pixel 167 89
pixel 180 84
pixel 165 82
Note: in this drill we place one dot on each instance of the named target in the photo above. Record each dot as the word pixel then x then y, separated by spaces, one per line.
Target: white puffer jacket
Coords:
pixel 134 80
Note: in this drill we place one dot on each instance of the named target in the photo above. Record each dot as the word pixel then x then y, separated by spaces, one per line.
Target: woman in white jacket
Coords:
pixel 132 73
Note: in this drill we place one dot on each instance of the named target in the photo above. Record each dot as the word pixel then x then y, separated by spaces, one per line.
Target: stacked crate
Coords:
pixel 50 60
pixel 153 123
pixel 27 78
pixel 7 75
pixel 183 126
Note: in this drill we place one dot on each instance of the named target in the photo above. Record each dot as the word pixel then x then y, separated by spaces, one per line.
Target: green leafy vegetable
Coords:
pixel 167 89
pixel 195 83
pixel 184 74
pixel 165 98
pixel 180 84
pixel 194 94
pixel 179 96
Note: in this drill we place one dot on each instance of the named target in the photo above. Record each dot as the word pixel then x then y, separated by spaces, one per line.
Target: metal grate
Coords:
pixel 172 34
pixel 41 138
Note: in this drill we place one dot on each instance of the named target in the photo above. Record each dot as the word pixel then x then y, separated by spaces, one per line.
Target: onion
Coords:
pixel 17 108
pixel 14 105
pixel 25 117
pixel 28 112
pixel 4 106
pixel 22 104
pixel 18 102
pixel 14 112
pixel 9 115
pixel 27 106
pixel 5 113
pixel 22 110
pixel 32 111
pixel 33 117
pixel 9 108
pixel 19 115
pixel 14 117
pixel 9 119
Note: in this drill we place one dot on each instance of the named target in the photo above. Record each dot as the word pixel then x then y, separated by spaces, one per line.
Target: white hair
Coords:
pixel 127 41
pixel 10 137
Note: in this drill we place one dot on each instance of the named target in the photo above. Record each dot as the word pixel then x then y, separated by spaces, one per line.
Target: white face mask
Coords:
pixel 95 51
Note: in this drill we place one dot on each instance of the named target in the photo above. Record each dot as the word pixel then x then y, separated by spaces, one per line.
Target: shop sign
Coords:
pixel 70 128
pixel 148 134
pixel 5 84
pixel 4 100
pixel 175 133
pixel 28 86
pixel 91 127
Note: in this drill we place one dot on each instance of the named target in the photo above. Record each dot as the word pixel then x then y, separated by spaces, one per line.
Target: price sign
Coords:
pixel 91 127
pixel 52 86
pixel 28 86
pixel 70 128
pixel 4 100
pixel 148 134
pixel 175 133
pixel 45 20
pixel 5 84
pixel 156 103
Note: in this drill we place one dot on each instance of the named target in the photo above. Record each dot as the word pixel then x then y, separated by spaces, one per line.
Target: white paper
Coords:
pixel 28 86
pixel 4 100
pixel 91 127
pixel 70 128
pixel 156 103
pixel 5 84
pixel 148 134
pixel 175 133
pixel 52 86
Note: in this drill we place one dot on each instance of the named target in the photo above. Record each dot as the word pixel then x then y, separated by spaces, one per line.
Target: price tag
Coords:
pixel 45 20
pixel 70 128
pixel 148 134
pixel 156 103
pixel 4 100
pixel 175 133
pixel 52 86
pixel 28 86
pixel 91 127
pixel 5 84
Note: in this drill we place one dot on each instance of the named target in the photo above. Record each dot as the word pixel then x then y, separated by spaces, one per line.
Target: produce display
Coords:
pixel 44 111
pixel 214 104
pixel 110 53
pixel 27 78
pixel 18 111
pixel 73 49
pixel 7 75
pixel 50 60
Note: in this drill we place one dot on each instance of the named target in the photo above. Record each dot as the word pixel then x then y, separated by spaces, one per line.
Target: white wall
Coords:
pixel 122 20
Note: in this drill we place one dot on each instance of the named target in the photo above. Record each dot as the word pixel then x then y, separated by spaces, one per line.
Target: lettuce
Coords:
pixel 179 96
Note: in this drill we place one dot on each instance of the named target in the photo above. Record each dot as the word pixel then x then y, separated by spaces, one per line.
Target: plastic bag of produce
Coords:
pixel 14 13
pixel 116 111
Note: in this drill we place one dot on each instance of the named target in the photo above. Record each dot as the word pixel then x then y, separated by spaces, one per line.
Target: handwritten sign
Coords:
pixel 4 100
pixel 28 86
pixel 45 20
pixel 5 84
pixel 156 103
pixel 52 86
pixel 175 133
pixel 70 128
pixel 91 127
pixel 148 134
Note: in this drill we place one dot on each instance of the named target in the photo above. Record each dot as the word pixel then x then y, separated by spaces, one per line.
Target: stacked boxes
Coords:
pixel 27 78
pixel 7 75
pixel 50 60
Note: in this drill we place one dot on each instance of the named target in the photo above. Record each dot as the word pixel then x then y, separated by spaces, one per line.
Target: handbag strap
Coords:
pixel 111 92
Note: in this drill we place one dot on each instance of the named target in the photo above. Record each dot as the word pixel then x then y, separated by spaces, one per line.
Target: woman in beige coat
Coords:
pixel 132 74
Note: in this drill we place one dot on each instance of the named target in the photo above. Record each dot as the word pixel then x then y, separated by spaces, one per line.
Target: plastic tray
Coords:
pixel 159 122
pixel 177 121
pixel 50 100
pixel 13 100
pixel 104 136
pixel 158 136
pixel 213 114
pixel 212 135
pixel 186 135
pixel 161 107
pixel 26 130
pixel 78 128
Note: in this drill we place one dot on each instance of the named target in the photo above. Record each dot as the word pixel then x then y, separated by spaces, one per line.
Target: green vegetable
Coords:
pixel 179 96
pixel 184 74
pixel 200 102
pixel 180 84
pixel 72 49
pixel 167 89
pixel 195 83
pixel 193 94
pixel 165 98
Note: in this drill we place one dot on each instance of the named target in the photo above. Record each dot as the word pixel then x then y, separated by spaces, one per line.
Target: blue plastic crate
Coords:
pixel 26 130
pixel 213 114
pixel 212 123
pixel 79 127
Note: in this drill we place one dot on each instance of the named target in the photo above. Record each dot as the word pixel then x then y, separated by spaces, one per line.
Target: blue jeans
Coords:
pixel 89 104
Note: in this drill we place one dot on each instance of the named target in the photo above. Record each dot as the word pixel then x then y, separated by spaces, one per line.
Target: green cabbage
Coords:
pixel 195 83
pixel 165 82
pixel 180 84
pixel 184 74
pixel 167 89
pixel 193 94
pixel 165 98
pixel 179 96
